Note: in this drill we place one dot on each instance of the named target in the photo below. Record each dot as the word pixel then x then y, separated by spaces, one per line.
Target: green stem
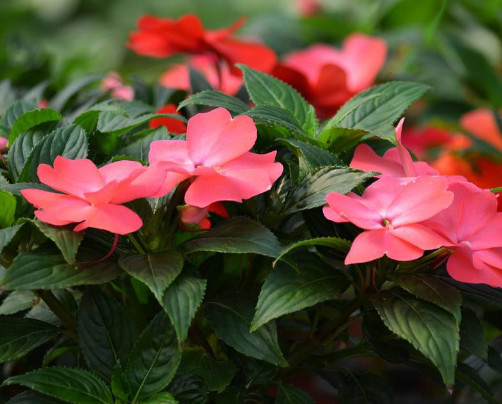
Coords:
pixel 136 244
pixel 60 311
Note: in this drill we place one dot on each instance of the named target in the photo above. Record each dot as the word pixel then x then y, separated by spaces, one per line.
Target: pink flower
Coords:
pixel 172 125
pixel 178 75
pixel 391 212
pixel 3 144
pixel 216 156
pixel 92 197
pixel 113 83
pixel 193 217
pixel 328 77
pixel 396 162
pixel 472 226
pixel 307 8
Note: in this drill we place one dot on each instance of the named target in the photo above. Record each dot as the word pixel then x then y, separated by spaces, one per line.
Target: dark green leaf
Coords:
pixel 189 389
pixel 46 270
pixel 154 359
pixel 471 377
pixel 21 335
pixel 431 330
pixel 63 96
pixel 275 116
pixel 140 148
pixel 15 111
pixel 114 122
pixel 236 235
pixel 311 191
pixel 30 119
pixel 182 300
pixel 310 157
pixel 70 142
pixel 265 90
pixel 157 271
pixel 339 140
pixel 356 388
pixel 68 384
pixel 17 301
pixel 198 82
pixel 20 155
pixel 106 332
pixel 17 188
pixel 287 290
pixel 432 289
pixel 213 98
pixel 7 235
pixel 88 120
pixel 472 336
pixel 336 243
pixel 160 398
pixel 8 209
pixel 217 375
pixel 33 397
pixel 293 395
pixel 231 321
pixel 66 240
pixel 377 108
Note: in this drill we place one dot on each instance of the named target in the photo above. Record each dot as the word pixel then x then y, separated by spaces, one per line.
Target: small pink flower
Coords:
pixel 472 226
pixel 113 83
pixel 307 8
pixel 193 217
pixel 396 162
pixel 92 197
pixel 178 75
pixel 391 211
pixel 328 77
pixel 3 144
pixel 216 156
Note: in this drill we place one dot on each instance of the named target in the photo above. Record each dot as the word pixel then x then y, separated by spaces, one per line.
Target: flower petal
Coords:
pixel 113 218
pixel 353 209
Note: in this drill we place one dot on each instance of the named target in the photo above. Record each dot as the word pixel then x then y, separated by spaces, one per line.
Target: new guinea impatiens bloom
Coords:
pixel 327 77
pixel 216 156
pixel 193 218
pixel 163 37
pixel 91 196
pixel 472 226
pixel 391 211
pixel 173 125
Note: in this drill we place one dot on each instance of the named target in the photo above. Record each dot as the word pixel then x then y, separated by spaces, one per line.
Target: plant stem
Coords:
pixel 136 244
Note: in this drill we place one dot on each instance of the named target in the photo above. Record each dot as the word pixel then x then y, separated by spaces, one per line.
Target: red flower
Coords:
pixel 328 77
pixel 172 125
pixel 160 38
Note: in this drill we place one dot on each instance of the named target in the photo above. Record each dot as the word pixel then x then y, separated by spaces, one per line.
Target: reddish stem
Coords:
pixel 108 254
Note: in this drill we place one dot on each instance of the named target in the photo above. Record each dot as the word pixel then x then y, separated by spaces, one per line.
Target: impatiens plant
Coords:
pixel 206 244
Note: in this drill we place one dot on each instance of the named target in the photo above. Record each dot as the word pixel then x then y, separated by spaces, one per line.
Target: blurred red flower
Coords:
pixel 172 125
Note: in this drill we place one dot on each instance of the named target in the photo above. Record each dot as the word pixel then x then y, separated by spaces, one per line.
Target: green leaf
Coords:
pixel 310 157
pixel 115 122
pixel 16 189
pixel 70 142
pixel 63 96
pixel 472 336
pixel 140 148
pixel 287 290
pixel 160 398
pixel 88 120
pixel 217 375
pixel 434 332
pixel 213 98
pixel 21 335
pixel 311 191
pixel 265 90
pixel 182 300
pixel 17 301
pixel 8 209
pixel 46 270
pixel 275 116
pixel 154 359
pixel 363 388
pixel 377 108
pixel 336 243
pixel 30 119
pixel 33 397
pixel 106 332
pixel 7 235
pixel 67 384
pixel 237 235
pixel 231 320
pixel 197 80
pixel 339 140
pixel 15 111
pixel 66 240
pixel 20 154
pixel 293 395
pixel 431 289
pixel 189 389
pixel 157 271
